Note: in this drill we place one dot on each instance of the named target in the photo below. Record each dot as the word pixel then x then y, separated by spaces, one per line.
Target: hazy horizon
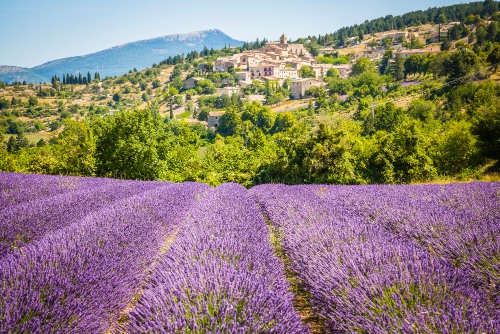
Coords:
pixel 37 32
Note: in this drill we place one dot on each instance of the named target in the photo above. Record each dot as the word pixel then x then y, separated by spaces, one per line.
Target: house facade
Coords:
pixel 214 118
pixel 230 91
pixel 275 59
pixel 300 86
pixel 190 82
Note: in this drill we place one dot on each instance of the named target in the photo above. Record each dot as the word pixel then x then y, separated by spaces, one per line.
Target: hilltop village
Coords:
pixel 277 61
pixel 292 65
pixel 282 75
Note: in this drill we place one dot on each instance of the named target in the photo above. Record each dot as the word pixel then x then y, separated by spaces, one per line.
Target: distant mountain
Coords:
pixel 13 73
pixel 120 59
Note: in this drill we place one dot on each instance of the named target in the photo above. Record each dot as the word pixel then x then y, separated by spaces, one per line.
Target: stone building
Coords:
pixel 214 118
pixel 190 82
pixel 230 91
pixel 300 86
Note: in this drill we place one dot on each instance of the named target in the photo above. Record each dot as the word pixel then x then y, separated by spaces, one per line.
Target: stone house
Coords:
pixel 190 82
pixel 230 91
pixel 214 118
pixel 300 86
pixel 244 76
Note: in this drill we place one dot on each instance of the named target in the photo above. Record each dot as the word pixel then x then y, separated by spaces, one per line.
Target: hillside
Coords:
pixel 452 13
pixel 120 59
pixel 10 74
pixel 93 255
pixel 420 104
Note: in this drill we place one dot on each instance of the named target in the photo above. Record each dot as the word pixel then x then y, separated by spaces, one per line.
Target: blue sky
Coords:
pixel 33 31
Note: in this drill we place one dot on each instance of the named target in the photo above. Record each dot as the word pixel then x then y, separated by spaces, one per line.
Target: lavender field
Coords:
pixel 86 255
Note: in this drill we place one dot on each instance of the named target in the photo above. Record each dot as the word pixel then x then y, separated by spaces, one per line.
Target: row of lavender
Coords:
pixel 457 222
pixel 44 204
pixel 78 277
pixel 101 255
pixel 383 259
pixel 17 188
pixel 220 275
pixel 124 256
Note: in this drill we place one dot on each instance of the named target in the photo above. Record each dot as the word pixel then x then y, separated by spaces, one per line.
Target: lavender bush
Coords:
pixel 80 278
pixel 18 188
pixel 87 255
pixel 362 277
pixel 30 220
pixel 457 222
pixel 219 276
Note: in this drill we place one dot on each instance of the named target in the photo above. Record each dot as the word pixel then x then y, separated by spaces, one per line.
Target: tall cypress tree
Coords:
pixel 89 77
pixel 11 145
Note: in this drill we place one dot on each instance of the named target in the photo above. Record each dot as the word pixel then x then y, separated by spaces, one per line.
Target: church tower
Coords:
pixel 283 39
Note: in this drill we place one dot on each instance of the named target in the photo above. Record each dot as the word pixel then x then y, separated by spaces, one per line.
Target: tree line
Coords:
pixel 453 132
pixel 459 12
pixel 71 79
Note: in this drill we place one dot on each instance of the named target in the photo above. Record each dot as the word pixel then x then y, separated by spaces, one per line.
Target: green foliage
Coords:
pixel 472 19
pixel 117 97
pixel 306 72
pixel 332 73
pixel 156 83
pixel 54 125
pixel 283 122
pixel 32 101
pixel 275 98
pixel 458 31
pixel 339 86
pixel 418 64
pixel 205 87
pixel 487 128
pixel 457 149
pixel 127 145
pixel 397 69
pixel 367 83
pixel 337 156
pixel 402 156
pixel 415 43
pixel 334 59
pixel 494 57
pixel 385 118
pixel 4 104
pixel 362 65
pixel 313 49
pixel 229 123
pixel 11 145
pixel 387 42
pixel 422 110
pixel 459 64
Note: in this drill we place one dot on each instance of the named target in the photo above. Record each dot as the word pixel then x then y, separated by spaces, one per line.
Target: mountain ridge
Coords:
pixel 119 59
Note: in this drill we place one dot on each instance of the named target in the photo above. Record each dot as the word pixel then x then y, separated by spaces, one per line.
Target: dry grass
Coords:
pixel 354 49
pixel 290 104
pixel 34 138
pixel 496 76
